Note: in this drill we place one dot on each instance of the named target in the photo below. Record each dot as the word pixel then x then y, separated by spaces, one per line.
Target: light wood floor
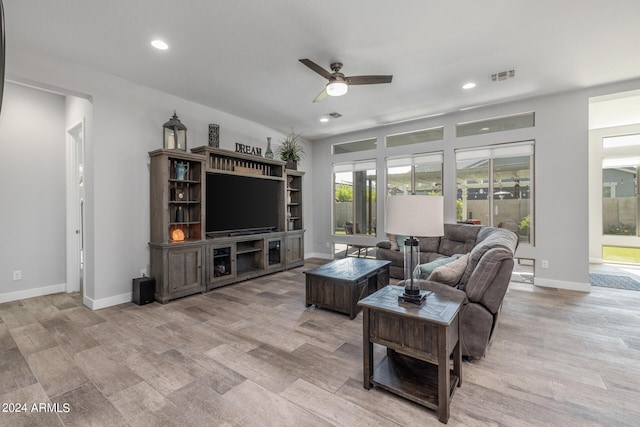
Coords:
pixel 252 354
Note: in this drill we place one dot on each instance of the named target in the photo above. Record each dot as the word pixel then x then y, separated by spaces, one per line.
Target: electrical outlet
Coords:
pixel 17 275
pixel 545 263
pixel 143 272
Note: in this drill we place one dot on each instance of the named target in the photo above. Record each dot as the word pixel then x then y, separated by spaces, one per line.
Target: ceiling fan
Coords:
pixel 338 83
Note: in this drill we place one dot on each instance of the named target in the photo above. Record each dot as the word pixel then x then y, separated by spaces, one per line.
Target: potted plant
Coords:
pixel 291 150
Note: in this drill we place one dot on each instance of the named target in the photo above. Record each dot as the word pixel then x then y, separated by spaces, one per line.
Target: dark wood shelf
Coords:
pixel 184 181
pixel 412 379
pixel 247 251
pixel 246 271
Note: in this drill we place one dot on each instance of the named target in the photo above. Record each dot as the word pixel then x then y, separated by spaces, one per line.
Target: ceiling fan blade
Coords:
pixel 368 80
pixel 322 95
pixel 315 67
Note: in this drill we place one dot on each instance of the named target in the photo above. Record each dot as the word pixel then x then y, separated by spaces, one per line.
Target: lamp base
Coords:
pixel 415 298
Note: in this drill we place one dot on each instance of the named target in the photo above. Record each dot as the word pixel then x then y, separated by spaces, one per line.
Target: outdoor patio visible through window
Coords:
pixel 354 191
pixel 495 187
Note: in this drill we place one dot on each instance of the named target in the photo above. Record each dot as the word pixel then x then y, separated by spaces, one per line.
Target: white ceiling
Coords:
pixel 242 56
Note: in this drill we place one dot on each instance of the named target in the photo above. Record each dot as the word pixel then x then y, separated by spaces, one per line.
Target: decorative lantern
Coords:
pixel 175 134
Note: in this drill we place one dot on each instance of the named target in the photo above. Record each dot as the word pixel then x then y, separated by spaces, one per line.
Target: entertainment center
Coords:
pixel 218 217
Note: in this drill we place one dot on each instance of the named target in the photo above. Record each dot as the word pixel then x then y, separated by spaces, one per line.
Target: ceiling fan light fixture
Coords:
pixel 337 88
pixel 159 44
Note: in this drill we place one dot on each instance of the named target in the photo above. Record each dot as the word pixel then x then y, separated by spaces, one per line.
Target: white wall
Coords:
pixel 561 210
pixel 126 125
pixel 32 172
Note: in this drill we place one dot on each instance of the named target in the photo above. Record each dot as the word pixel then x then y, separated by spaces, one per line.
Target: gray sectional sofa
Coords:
pixel 483 277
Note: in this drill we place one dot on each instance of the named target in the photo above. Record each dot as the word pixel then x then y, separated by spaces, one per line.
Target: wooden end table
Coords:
pixel 340 284
pixel 419 341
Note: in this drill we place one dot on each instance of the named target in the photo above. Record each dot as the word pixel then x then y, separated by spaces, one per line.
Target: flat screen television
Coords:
pixel 241 204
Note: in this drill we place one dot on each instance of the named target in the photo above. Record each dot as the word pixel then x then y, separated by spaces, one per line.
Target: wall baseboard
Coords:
pixel 97 304
pixel 318 255
pixel 561 284
pixel 30 293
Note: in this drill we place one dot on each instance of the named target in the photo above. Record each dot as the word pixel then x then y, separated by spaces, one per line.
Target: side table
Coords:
pixel 419 341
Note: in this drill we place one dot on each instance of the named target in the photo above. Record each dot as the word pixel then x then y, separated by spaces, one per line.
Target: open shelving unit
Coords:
pixel 176 223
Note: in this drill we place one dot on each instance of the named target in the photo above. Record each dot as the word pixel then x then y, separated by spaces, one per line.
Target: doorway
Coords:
pixel 614 181
pixel 75 208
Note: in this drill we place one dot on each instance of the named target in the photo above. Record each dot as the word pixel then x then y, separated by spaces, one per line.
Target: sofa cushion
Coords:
pixel 488 238
pixel 429 244
pixel 458 239
pixel 425 270
pixel 393 242
pixel 450 273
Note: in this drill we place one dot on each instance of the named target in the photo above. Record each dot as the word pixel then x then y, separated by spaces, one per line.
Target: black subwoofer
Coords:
pixel 144 289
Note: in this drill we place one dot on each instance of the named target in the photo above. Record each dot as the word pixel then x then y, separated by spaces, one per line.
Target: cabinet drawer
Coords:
pixel 394 332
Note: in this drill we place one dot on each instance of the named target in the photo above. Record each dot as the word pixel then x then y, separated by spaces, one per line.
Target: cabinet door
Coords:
pixel 185 268
pixel 220 264
pixel 274 253
pixel 295 250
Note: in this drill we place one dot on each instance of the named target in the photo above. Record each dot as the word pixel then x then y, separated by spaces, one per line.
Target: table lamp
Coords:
pixel 414 215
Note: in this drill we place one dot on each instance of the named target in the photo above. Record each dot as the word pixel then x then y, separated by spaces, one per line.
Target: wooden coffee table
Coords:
pixel 419 341
pixel 340 284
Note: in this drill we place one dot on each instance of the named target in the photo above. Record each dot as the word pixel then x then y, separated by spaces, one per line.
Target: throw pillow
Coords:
pixel 400 241
pixel 392 240
pixel 450 274
pixel 425 270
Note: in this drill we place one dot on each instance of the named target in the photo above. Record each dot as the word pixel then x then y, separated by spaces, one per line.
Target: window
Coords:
pixel 426 135
pixel 354 195
pixel 354 146
pixel 620 199
pixel 419 174
pixel 495 187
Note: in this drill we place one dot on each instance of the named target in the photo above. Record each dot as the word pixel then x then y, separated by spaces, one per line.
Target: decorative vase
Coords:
pixel 181 170
pixel 214 135
pixel 292 164
pixel 268 154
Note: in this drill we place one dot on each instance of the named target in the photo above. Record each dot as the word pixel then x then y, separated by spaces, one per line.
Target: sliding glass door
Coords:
pixel 495 187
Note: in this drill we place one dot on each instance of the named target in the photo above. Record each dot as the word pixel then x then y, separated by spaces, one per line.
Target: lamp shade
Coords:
pixel 415 215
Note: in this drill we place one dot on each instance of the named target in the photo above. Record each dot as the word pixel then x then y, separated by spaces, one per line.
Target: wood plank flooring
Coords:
pixel 251 354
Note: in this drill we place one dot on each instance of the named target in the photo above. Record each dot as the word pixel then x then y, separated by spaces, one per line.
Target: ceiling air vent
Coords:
pixel 335 115
pixel 502 76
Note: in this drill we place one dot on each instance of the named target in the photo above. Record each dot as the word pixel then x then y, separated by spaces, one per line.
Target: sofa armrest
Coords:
pixel 385 244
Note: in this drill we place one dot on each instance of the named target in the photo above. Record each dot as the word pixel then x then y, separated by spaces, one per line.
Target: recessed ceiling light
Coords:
pixel 324 119
pixel 469 85
pixel 159 44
